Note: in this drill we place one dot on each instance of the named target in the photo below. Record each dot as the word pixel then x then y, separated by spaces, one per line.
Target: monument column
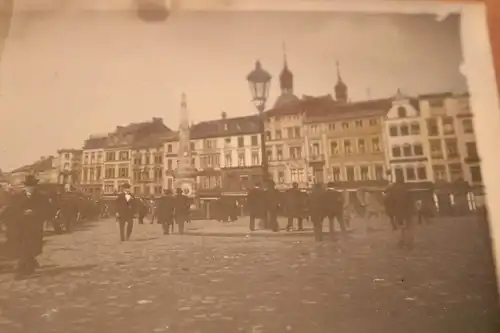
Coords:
pixel 185 173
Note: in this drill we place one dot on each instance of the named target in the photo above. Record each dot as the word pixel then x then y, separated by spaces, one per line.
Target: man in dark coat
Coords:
pixel 26 214
pixel 255 205
pixel 126 208
pixel 401 206
pixel 165 211
pixel 294 207
pixel 142 209
pixel 68 211
pixel 182 209
pixel 271 199
pixel 316 209
pixel 334 208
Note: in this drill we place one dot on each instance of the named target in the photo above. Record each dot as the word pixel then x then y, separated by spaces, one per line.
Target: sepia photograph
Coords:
pixel 168 166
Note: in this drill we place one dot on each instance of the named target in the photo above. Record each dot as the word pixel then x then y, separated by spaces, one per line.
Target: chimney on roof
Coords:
pixel 223 115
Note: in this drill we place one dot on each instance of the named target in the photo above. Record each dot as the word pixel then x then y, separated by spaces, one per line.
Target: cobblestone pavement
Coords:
pixel 90 282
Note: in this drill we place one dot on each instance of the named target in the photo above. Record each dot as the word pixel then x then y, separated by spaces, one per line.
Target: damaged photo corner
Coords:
pixel 354 97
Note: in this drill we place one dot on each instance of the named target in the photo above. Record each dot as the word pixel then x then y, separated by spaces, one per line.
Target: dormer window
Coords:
pixel 402 112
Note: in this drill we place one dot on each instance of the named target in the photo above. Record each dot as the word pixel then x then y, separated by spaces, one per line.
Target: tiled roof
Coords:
pixel 225 127
pixel 153 140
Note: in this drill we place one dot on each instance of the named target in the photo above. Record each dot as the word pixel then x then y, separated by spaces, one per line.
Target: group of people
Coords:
pixel 169 210
pixel 331 204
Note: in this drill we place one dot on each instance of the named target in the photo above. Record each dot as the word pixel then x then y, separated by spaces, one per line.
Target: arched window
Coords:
pixel 404 129
pixel 407 151
pixel 402 112
pixel 396 151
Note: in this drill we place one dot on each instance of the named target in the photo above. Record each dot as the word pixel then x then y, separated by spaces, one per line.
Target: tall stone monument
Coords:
pixel 185 173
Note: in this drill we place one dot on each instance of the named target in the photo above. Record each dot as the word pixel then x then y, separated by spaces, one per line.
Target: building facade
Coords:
pixel 69 166
pixel 45 169
pixel 92 167
pixel 345 143
pixel 408 154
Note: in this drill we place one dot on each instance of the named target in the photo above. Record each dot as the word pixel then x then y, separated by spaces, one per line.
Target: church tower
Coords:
pixel 286 84
pixel 340 88
pixel 185 173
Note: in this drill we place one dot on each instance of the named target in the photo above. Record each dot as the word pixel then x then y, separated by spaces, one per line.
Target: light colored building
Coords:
pixel 92 166
pixel 45 169
pixel 345 142
pixel 69 166
pixel 408 152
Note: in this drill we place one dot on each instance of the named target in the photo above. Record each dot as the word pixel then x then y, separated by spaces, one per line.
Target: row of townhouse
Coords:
pixel 427 139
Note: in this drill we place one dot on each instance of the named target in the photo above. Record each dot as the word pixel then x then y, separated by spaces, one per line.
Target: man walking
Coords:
pixel 182 210
pixel 334 208
pixel 126 208
pixel 401 206
pixel 165 211
pixel 316 208
pixel 294 207
pixel 255 205
pixel 25 215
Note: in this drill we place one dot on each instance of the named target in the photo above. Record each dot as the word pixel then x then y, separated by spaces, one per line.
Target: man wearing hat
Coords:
pixel 334 208
pixel 165 211
pixel 25 215
pixel 126 207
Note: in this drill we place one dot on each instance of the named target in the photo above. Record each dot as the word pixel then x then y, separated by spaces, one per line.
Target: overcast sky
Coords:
pixel 64 77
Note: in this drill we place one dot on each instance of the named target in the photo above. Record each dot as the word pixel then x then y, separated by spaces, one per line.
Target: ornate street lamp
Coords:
pixel 259 82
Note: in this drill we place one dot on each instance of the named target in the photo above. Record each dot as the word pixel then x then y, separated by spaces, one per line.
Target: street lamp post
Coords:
pixel 259 82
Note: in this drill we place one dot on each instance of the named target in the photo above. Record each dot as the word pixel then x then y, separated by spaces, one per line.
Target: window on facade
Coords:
pixel 361 146
pixel 315 149
pixel 421 172
pixel 418 150
pixel 349 173
pixel 169 164
pixel 314 129
pixel 359 123
pixel 376 145
pixel 456 171
pixel 347 147
pixel 255 158
pixel 475 172
pixel 158 159
pixel 331 127
pixel 66 166
pixel 255 140
pixel 98 175
pixel 399 173
pixel 192 146
pixel 451 148
pixel 295 153
pixel 137 160
pixel 99 157
pixel 279 153
pixel 404 130
pixel 396 151
pixel 289 133
pixel 345 125
pixel 432 127
pixel 439 172
pixel 415 128
pixel 110 156
pixel 277 135
pixel 110 172
pixel 336 174
pixel 85 175
pixel 407 151
pixel 227 141
pixel 241 159
pixel 297 175
pixel 471 149
pixel 379 172
pixel 297 132
pixel 269 152
pixel 402 112
pixel 170 183
pixel 410 173
pixel 363 171
pixel 158 174
pixel 393 130
pixel 92 174
pixel 92 158
pixel 147 160
pixel 241 141
pixel 281 176
pixel 467 125
pixel 124 156
pixel 169 148
pixel 334 147
pixel 436 148
pixel 448 127
pixel 373 122
pixel 66 156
